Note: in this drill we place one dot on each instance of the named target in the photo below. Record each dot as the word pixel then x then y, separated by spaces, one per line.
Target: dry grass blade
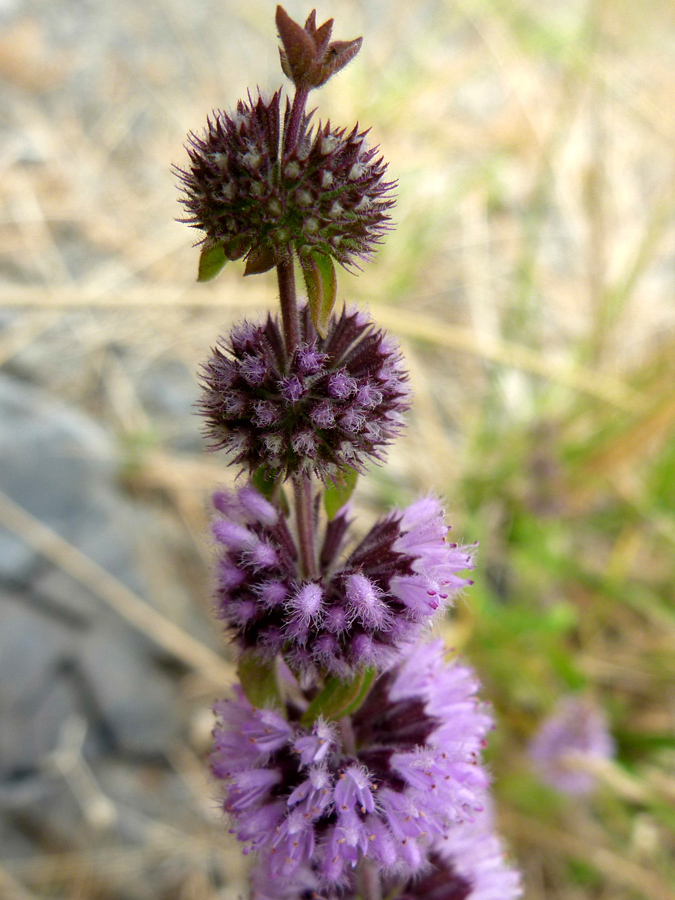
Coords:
pixel 412 325
pixel 456 337
pixel 11 889
pixel 618 870
pixel 130 297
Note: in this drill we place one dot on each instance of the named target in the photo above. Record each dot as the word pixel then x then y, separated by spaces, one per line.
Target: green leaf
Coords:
pixel 211 261
pixel 264 481
pixel 329 295
pixel 269 485
pixel 260 260
pixel 321 284
pixel 339 698
pixel 339 491
pixel 259 680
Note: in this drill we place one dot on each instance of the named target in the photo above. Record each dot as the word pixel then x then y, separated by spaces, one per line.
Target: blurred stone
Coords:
pixel 65 655
pixel 169 391
pixel 34 702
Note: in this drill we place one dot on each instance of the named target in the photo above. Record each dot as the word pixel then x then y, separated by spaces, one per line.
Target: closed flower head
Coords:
pixel 328 195
pixel 335 402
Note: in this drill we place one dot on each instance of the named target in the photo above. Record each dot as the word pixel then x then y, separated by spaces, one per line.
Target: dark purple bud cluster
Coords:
pixel 326 196
pixel 362 611
pixel 304 798
pixel 336 402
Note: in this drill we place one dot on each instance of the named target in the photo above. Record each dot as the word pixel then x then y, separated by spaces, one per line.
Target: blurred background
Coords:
pixel 530 282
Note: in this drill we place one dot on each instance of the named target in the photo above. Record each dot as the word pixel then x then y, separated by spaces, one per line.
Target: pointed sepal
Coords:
pixel 339 53
pixel 297 49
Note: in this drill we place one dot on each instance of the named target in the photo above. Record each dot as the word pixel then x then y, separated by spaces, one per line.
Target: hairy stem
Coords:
pixel 289 304
pixel 295 120
pixel 304 515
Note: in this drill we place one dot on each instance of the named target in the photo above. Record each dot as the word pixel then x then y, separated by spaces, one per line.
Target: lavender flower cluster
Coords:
pixel 299 794
pixel 364 610
pixel 350 754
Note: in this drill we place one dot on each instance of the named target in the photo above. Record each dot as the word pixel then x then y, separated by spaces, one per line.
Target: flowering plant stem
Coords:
pixel 368 882
pixel 302 486
pixel 285 274
pixel 304 514
pixel 289 304
pixel 350 751
pixel 295 119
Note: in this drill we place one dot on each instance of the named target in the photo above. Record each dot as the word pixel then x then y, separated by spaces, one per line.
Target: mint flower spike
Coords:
pixel 307 57
pixel 350 752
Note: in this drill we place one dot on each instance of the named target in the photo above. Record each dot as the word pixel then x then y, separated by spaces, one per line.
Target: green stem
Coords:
pixel 347 735
pixel 368 882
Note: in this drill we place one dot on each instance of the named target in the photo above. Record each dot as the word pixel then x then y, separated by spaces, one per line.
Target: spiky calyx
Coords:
pixel 326 197
pixel 335 403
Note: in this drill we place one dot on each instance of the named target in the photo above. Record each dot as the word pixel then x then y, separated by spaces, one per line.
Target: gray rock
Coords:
pixel 63 651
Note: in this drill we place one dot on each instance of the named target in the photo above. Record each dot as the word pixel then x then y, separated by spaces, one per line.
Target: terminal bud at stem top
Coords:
pixel 308 57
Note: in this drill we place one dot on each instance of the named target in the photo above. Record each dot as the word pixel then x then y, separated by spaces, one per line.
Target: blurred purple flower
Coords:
pixel 574 733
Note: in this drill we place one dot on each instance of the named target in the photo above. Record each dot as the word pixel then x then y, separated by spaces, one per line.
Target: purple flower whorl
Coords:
pixel 304 799
pixel 363 611
pixel 336 402
pixel 468 864
pixel 326 196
